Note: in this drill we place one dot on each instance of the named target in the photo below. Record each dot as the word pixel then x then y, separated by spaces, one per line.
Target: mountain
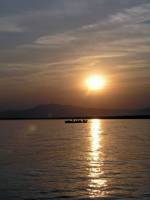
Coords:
pixel 145 111
pixel 58 111
pixel 66 111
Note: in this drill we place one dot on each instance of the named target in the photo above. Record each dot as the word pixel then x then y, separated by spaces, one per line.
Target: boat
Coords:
pixel 76 121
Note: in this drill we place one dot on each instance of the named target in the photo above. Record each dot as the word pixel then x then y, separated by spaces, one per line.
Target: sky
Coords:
pixel 49 47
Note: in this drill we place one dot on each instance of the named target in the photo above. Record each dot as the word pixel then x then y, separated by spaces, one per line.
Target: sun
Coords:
pixel 95 82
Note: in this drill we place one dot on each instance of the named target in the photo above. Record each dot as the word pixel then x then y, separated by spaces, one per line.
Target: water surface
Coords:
pixel 103 159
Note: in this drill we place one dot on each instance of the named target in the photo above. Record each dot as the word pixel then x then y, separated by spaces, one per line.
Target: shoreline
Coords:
pixel 88 117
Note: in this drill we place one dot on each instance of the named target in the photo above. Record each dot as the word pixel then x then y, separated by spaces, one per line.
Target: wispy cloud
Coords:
pixel 54 40
pixel 72 37
pixel 10 24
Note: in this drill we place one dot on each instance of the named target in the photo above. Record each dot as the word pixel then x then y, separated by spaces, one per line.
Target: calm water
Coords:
pixel 103 159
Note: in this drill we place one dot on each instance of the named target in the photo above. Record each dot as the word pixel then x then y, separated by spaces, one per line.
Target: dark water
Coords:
pixel 103 159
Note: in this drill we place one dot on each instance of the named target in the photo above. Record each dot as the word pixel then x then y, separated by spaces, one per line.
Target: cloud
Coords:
pixel 17 70
pixel 113 40
pixel 54 40
pixel 10 24
pixel 47 44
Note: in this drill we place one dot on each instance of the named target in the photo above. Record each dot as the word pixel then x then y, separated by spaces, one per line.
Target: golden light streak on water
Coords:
pixel 96 183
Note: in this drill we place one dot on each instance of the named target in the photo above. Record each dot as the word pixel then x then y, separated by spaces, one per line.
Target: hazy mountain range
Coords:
pixel 67 111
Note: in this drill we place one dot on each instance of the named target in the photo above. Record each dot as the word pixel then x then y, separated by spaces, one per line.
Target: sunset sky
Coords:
pixel 48 48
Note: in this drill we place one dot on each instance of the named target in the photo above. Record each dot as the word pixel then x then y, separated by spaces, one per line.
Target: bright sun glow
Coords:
pixel 95 82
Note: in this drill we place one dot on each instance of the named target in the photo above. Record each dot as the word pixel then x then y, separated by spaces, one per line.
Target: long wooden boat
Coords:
pixel 76 121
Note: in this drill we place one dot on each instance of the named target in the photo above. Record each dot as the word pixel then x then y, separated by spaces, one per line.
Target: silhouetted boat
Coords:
pixel 76 121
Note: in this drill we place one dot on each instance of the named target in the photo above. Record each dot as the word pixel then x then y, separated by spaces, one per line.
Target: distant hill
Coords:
pixel 145 111
pixel 66 111
pixel 59 111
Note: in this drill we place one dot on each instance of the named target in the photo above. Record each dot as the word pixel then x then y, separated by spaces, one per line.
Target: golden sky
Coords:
pixel 49 48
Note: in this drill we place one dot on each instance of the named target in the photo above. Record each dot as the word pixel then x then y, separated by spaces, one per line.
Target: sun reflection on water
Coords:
pixel 96 183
